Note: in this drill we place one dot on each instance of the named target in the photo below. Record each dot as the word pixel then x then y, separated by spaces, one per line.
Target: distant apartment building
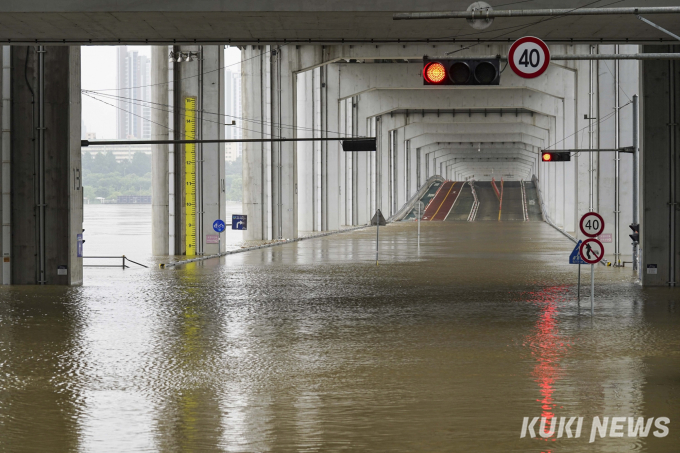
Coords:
pixel 120 152
pixel 134 78
pixel 232 108
pixel 231 152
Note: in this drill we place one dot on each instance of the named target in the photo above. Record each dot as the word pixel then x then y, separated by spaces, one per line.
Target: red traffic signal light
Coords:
pixel 555 157
pixel 434 73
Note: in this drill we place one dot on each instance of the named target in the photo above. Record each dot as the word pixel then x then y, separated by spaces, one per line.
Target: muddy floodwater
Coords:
pixel 312 347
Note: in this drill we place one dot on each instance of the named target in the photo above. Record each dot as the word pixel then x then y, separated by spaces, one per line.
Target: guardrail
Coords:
pixel 525 209
pixel 475 204
pixel 123 265
pixel 547 219
pixel 410 204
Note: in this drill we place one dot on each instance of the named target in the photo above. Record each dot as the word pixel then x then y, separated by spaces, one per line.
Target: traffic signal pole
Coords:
pixel 636 189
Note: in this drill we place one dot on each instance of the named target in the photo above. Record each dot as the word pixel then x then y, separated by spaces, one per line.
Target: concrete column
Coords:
pixel 362 170
pixel 660 166
pixel 284 154
pixel 608 139
pixel 5 174
pixel 630 83
pixel 256 156
pixel 306 152
pixel 203 80
pixel 344 189
pixel 212 127
pixel 160 130
pixel 46 177
pixel 333 154
pixel 186 85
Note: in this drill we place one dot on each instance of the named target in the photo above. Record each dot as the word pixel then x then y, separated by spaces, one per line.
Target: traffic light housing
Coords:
pixel 636 232
pixel 447 71
pixel 549 156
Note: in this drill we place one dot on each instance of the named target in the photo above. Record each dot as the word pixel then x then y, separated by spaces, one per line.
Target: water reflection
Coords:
pixel 548 347
pixel 310 346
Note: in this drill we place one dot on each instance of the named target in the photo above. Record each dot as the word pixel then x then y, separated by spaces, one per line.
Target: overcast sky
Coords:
pixel 99 72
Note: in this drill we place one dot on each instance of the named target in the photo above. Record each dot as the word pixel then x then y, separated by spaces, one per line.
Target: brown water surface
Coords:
pixel 312 347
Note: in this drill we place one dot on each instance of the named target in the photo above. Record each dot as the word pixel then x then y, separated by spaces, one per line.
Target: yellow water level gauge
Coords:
pixel 190 174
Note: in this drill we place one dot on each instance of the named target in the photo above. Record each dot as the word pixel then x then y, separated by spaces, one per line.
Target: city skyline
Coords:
pixel 99 73
pixel 133 119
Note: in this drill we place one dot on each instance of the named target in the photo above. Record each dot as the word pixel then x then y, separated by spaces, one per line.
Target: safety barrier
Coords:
pixel 410 204
pixel 123 265
pixel 525 209
pixel 547 220
pixel 475 204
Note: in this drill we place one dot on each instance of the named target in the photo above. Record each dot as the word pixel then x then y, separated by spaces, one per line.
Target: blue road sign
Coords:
pixel 239 222
pixel 219 225
pixel 575 257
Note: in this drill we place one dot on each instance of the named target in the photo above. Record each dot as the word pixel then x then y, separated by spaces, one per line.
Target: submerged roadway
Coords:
pixel 311 346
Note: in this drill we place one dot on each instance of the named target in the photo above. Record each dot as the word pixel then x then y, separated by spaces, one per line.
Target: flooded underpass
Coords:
pixel 312 347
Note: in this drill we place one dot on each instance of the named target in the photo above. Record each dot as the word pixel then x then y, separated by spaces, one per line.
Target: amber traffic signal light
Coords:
pixel 447 71
pixel 555 157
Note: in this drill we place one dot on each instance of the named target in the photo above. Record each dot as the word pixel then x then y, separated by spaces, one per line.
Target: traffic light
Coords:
pixel 461 72
pixel 555 157
pixel 636 232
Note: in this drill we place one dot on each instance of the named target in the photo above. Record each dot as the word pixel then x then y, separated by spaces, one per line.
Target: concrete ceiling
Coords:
pixel 165 21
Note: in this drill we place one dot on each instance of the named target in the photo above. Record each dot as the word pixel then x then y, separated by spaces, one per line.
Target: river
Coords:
pixel 310 346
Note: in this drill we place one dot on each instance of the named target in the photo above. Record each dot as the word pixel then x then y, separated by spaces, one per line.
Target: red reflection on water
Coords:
pixel 548 348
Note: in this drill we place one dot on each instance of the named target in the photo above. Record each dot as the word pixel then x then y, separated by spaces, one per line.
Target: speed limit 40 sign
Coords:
pixel 591 224
pixel 529 57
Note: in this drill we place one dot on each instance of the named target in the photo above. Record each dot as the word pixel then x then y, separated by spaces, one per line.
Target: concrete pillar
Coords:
pixel 256 156
pixel 5 174
pixel 46 177
pixel 629 79
pixel 187 86
pixel 160 130
pixel 333 154
pixel 212 127
pixel 201 79
pixel 346 164
pixel 284 154
pixel 306 152
pixel 362 169
pixel 660 166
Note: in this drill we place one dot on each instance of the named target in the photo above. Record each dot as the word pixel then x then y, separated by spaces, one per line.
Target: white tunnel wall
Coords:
pixel 424 131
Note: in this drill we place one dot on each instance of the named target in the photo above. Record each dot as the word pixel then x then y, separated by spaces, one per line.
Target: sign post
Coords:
pixel 575 258
pixel 377 220
pixel 591 250
pixel 219 226
pixel 529 57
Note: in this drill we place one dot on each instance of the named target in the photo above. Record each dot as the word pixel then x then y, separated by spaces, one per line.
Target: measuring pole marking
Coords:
pixel 190 175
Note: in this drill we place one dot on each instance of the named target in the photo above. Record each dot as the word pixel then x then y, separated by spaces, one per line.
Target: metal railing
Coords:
pixel 475 204
pixel 525 210
pixel 122 257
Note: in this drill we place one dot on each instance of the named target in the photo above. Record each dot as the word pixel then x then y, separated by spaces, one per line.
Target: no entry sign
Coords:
pixel 592 251
pixel 591 224
pixel 529 57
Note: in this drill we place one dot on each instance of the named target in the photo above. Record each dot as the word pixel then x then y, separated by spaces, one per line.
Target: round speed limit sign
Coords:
pixel 529 57
pixel 592 224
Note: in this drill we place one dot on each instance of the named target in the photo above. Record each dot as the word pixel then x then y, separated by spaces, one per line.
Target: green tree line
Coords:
pixel 105 177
